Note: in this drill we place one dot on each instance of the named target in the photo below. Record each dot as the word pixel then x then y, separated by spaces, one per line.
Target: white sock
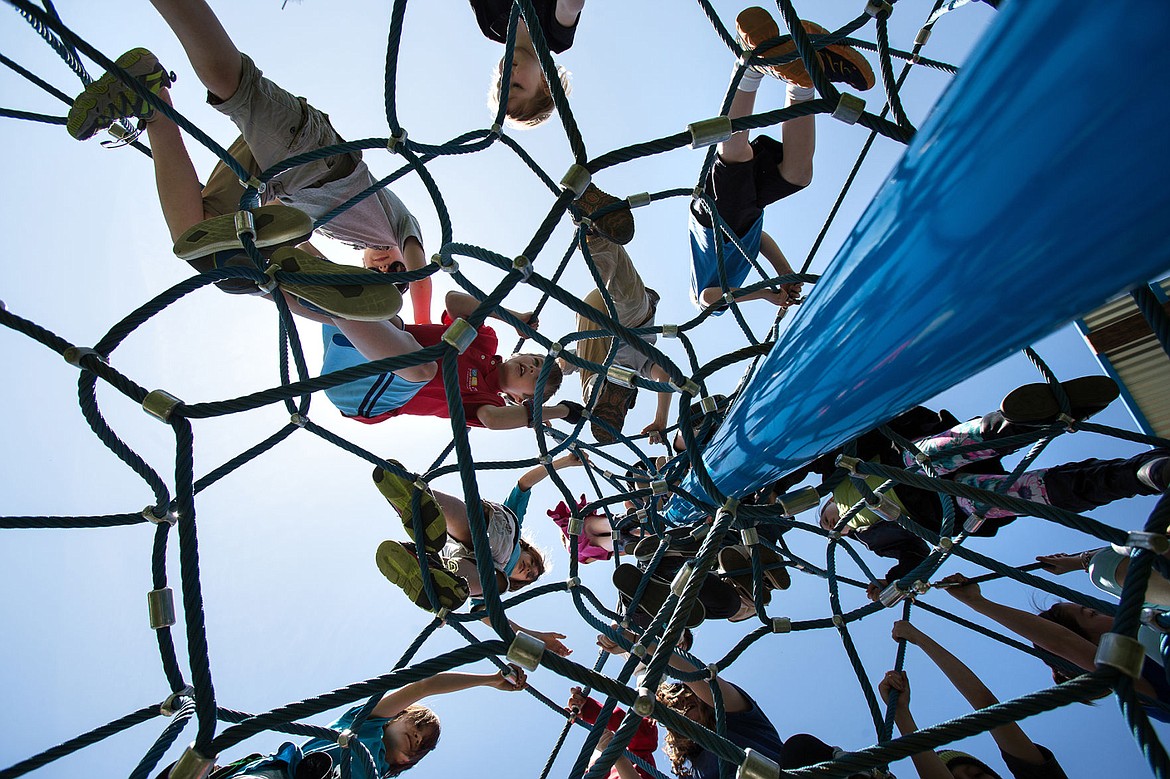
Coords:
pixel 799 94
pixel 750 81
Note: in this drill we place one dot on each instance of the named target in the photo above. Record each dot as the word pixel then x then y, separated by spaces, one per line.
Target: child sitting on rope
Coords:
pixel 275 125
pixel 447 539
pixel 530 102
pixel 642 744
pixel 747 176
pixel 746 724
pixel 1075 486
pixel 398 733
pixel 1024 758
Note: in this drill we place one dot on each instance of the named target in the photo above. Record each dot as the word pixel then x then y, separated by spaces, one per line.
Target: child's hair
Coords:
pixel 539 557
pixel 680 749
pixel 953 757
pixel 426 721
pixel 552 383
pixel 537 111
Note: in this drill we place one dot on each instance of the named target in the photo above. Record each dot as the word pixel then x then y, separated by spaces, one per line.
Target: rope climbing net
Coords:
pixel 625 471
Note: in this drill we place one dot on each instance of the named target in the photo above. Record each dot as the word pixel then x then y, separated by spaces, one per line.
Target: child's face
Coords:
pixel 404 741
pixel 383 260
pixel 518 375
pixel 527 82
pixel 527 570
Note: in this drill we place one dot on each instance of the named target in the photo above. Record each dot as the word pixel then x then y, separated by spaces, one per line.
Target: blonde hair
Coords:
pixel 537 110
pixel 680 749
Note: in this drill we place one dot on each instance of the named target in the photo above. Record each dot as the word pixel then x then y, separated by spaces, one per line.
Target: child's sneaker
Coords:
pixel 107 100
pixel 627 578
pixel 736 563
pixel 1036 405
pixel 616 226
pixel 357 302
pixel 613 403
pixel 841 63
pixel 276 225
pixel 398 563
pixel 399 492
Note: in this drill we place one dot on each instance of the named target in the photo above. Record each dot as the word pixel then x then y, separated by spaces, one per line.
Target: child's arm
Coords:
pixel 393 703
pixel 1010 738
pixel 623 766
pixel 568 11
pixel 537 474
pixel 415 258
pixel 460 304
pixel 662 413
pixel 513 417
pixel 927 763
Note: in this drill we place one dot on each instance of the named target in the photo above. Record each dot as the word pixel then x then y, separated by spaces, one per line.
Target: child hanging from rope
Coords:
pixel 1024 758
pixel 275 125
pixel 530 101
pixel 747 176
pixel 1072 633
pixel 447 540
pixel 746 724
pixel 635 305
pixel 398 733
pixel 642 744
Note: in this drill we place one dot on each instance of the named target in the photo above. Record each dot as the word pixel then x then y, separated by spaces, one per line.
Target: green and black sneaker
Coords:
pixel 107 100
pixel 398 563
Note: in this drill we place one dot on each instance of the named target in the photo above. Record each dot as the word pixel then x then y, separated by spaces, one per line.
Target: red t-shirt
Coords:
pixel 643 743
pixel 479 383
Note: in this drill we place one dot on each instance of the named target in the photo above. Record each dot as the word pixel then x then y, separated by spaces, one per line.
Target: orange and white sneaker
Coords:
pixel 841 63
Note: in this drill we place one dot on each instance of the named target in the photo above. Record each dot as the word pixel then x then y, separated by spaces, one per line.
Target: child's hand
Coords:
pixel 529 318
pixel 896 681
pixel 1063 563
pixel 903 630
pixel 873 590
pixel 576 700
pixel 552 642
pixel 603 740
pixel 960 588
pixel 512 680
pixel 607 644
pixel 653 432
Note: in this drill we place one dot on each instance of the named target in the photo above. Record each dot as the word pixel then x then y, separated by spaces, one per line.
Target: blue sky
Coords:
pixel 293 602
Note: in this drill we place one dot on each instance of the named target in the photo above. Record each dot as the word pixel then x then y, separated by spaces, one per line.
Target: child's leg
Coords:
pixel 458 526
pixel 738 147
pixel 179 192
pixel 213 56
pixel 621 280
pixel 378 340
pixel 800 140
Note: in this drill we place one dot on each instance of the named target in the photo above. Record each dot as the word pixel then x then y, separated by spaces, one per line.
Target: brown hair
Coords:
pixel 426 720
pixel 537 111
pixel 680 749
pixel 552 383
pixel 538 556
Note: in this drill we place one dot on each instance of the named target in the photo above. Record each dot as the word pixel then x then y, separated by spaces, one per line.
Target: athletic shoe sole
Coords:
pixel 276 225
pixel 399 493
pixel 106 100
pixel 399 565
pixel 627 578
pixel 616 226
pixel 737 567
pixel 841 63
pixel 1035 403
pixel 613 403
pixel 358 302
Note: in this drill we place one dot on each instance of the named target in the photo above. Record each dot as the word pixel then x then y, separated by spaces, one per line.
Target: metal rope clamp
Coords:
pixel 644 703
pixel 708 132
pixel 885 507
pixel 878 9
pixel 849 108
pixel 171 703
pixel 576 179
pixel 749 536
pixel 393 142
pixel 1154 542
pixel 448 264
pixel 803 500
pixel 460 335
pixel 638 200
pixel 523 266
pixel 689 387
pixel 679 583
pixel 161 605
pixel 74 354
pixel 1156 619
pixel 192 765
pixel 168 517
pixel 1122 653
pixel 756 766
pixel 525 651
pixel 160 404
pixel 622 376
pixel 245 225
pixel 892 595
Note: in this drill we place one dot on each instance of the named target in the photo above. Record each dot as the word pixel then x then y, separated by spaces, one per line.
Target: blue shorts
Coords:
pixel 705 263
pixel 367 397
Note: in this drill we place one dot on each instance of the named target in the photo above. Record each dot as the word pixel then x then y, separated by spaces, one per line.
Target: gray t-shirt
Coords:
pixel 379 221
